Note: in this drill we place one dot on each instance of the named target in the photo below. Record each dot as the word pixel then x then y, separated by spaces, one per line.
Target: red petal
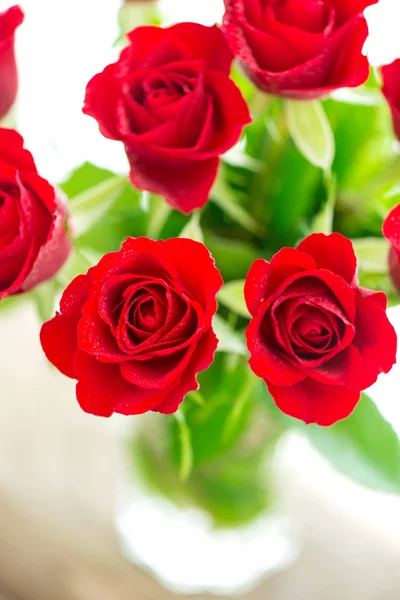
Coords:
pixel 202 283
pixel 101 101
pixel 286 264
pixel 54 252
pixel 139 256
pixel 205 43
pixel 159 372
pixel 230 114
pixel 391 91
pixel 59 342
pixel 391 226
pixel 333 252
pixel 267 361
pixel 94 335
pixel 12 151
pixel 9 21
pixel 64 326
pixel 101 390
pixel 322 288
pixel 151 46
pixel 344 369
pixel 311 19
pixel 256 285
pixel 314 402
pixel 375 338
pixel 201 359
pixel 394 268
pixel 185 187
pixel 345 10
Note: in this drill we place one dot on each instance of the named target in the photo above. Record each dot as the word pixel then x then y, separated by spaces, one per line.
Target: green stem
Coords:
pixel 160 212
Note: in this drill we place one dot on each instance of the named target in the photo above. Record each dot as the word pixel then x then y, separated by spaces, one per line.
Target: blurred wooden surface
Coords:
pixel 57 477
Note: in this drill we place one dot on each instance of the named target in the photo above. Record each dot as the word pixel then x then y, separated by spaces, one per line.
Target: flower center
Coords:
pixel 146 316
pixel 311 332
pixel 159 92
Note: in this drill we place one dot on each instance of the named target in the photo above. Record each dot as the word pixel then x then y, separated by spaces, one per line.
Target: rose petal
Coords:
pixel 314 402
pixel 285 264
pixel 101 390
pixel 267 360
pixel 159 372
pixel 256 285
pixel 201 359
pixel 12 151
pixel 102 100
pixel 391 91
pixel 333 252
pixel 9 21
pixel 202 283
pixel 344 369
pixel 205 43
pixel 391 226
pixel 59 335
pixel 375 338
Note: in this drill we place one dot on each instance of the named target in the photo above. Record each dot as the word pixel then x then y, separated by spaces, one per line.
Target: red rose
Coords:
pixel 9 21
pixel 391 231
pixel 316 337
pixel 169 99
pixel 33 240
pixel 391 90
pixel 299 48
pixel 136 329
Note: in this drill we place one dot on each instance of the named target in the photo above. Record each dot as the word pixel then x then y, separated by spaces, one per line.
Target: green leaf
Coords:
pixel 196 398
pixel 89 206
pixel 192 229
pixel 186 453
pixel 79 261
pixel 372 254
pixel 232 296
pixel 44 296
pixel 132 15
pixel 361 96
pixel 224 197
pixel 233 257
pixel 364 446
pixel 311 132
pixel 158 216
pixel 235 417
pixel 364 145
pixel 229 339
pixel 323 222
pixel 84 177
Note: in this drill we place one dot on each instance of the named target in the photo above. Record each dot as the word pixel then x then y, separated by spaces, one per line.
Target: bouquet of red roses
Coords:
pixel 237 276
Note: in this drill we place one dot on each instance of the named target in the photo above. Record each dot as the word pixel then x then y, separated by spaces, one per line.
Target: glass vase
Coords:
pixel 221 530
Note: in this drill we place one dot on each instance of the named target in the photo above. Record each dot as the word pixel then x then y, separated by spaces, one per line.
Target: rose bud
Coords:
pixel 299 48
pixel 391 90
pixel 316 337
pixel 169 99
pixel 391 231
pixel 9 21
pixel 33 240
pixel 136 329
